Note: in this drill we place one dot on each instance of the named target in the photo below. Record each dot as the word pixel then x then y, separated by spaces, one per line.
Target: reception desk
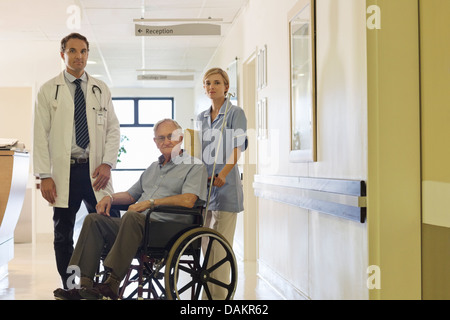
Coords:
pixel 14 170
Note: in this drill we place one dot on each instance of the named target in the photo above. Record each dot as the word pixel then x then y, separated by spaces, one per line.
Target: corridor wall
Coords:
pixel 306 254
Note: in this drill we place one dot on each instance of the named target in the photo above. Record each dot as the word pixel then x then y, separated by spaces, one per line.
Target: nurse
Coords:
pixel 221 150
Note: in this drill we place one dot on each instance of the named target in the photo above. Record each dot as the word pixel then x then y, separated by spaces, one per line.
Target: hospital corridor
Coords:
pixel 247 150
pixel 32 276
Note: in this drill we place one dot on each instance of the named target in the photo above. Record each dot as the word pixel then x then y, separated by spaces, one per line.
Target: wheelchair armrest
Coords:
pixel 179 210
pixel 196 210
pixel 121 207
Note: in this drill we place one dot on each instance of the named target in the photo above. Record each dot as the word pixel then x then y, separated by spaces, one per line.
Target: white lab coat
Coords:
pixel 53 129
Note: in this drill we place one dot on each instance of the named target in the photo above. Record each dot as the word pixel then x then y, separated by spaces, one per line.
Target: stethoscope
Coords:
pixel 94 88
pixel 100 108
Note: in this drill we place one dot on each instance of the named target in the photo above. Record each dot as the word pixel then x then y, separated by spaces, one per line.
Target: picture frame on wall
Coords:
pixel 262 120
pixel 262 67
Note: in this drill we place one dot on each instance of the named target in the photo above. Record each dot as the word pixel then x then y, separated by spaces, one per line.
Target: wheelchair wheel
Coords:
pixel 189 274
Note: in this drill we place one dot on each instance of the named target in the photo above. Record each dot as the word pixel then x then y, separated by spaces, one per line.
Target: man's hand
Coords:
pixel 48 190
pixel 140 206
pixel 104 206
pixel 101 175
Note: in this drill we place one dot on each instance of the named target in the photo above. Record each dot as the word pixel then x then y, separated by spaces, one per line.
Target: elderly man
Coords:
pixel 176 179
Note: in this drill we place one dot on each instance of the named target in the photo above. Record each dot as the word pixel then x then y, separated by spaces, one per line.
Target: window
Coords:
pixel 137 117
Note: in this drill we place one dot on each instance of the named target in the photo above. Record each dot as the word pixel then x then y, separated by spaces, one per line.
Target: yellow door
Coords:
pixel 435 122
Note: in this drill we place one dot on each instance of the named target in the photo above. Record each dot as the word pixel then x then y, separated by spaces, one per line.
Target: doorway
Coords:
pixel 247 245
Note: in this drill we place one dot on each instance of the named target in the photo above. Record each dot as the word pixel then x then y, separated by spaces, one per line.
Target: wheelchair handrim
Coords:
pixel 198 234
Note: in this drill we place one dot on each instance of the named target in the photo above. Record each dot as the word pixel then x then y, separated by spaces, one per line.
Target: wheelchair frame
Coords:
pixel 171 264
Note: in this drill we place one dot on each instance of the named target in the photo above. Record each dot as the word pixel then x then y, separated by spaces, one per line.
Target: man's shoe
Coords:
pixel 100 292
pixel 71 294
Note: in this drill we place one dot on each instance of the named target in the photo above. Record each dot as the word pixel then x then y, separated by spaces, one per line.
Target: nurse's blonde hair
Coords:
pixel 210 72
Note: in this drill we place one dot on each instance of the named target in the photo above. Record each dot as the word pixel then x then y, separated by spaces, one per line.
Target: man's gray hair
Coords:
pixel 167 120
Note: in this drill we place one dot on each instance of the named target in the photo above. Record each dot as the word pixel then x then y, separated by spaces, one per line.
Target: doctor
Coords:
pixel 76 142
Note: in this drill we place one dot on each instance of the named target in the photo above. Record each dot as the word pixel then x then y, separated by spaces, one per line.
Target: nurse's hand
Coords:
pixel 219 180
pixel 48 190
pixel 101 175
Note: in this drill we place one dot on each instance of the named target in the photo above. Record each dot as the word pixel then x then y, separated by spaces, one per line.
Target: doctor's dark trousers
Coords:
pixel 64 218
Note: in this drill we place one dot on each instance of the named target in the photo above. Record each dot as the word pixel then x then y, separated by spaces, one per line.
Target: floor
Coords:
pixel 32 275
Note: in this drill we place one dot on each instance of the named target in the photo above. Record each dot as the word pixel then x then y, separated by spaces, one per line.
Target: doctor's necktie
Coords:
pixel 81 127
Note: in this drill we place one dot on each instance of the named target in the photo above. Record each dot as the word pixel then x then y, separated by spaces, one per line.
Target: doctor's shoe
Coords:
pixel 70 294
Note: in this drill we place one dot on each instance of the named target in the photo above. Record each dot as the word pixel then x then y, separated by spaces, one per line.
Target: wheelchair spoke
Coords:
pixel 159 285
pixel 196 257
pixel 186 269
pixel 197 291
pixel 208 293
pixel 217 265
pixel 187 286
pixel 208 252
pixel 219 283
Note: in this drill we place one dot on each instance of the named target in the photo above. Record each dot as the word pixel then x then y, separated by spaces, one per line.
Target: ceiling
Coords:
pixel 117 55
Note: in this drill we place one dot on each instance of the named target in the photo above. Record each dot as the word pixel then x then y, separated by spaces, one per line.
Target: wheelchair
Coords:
pixel 173 261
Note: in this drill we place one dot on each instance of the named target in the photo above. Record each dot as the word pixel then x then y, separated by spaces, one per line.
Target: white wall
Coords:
pixel 20 67
pixel 305 253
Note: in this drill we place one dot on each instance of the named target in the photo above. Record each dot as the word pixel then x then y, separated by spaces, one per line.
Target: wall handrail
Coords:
pixel 343 198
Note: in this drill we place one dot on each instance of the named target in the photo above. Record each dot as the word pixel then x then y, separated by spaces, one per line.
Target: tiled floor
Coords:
pixel 32 275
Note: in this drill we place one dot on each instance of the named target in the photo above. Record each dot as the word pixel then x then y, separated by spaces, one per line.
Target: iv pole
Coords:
pixel 224 123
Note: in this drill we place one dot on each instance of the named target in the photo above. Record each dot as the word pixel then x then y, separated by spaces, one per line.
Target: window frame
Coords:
pixel 136 110
pixel 136 123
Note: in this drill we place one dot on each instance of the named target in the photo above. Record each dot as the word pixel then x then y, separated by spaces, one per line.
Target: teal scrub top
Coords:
pixel 229 197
